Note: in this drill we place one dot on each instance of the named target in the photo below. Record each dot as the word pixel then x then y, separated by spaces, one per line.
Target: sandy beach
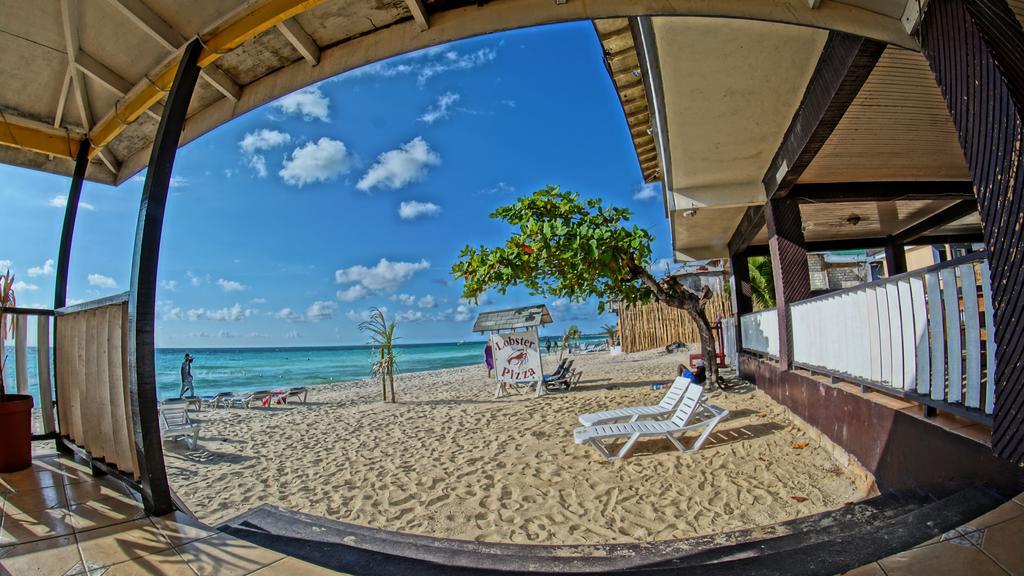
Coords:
pixel 450 460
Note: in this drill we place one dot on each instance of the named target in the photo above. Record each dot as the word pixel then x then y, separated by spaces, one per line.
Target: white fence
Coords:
pixel 927 332
pixel 30 373
pixel 760 332
pixel 729 341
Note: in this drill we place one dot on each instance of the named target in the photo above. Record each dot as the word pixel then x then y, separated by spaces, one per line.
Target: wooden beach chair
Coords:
pixel 666 407
pixel 175 422
pixel 690 415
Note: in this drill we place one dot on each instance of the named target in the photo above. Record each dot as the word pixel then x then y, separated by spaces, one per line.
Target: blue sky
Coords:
pixel 285 225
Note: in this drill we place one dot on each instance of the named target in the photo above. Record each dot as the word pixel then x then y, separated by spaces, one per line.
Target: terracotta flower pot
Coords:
pixel 16 431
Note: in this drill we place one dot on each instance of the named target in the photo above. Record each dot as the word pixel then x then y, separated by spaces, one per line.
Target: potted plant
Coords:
pixel 15 409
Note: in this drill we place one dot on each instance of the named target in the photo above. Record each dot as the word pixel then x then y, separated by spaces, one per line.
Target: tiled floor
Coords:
pixel 57 520
pixel 60 521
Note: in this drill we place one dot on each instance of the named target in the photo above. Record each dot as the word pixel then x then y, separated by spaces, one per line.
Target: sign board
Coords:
pixel 517 357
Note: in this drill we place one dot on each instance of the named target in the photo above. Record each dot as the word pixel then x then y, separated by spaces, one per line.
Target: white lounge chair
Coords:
pixel 690 415
pixel 175 422
pixel 666 407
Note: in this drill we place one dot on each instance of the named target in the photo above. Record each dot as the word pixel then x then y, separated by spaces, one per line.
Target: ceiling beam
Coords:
pixel 62 101
pixel 845 63
pixel 419 13
pixel 882 191
pixel 241 27
pixel 300 40
pixel 38 137
pixel 646 48
pixel 171 40
pixel 943 217
pixel 750 224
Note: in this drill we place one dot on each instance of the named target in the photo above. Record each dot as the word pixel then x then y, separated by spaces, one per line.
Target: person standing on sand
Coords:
pixel 489 358
pixel 186 377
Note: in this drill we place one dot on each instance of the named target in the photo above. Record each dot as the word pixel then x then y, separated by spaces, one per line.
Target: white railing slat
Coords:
pixel 882 298
pixel 21 353
pixel 907 331
pixel 938 344
pixel 921 334
pixel 972 333
pixel 43 371
pixel 874 344
pixel 953 351
pixel 990 340
pixel 895 334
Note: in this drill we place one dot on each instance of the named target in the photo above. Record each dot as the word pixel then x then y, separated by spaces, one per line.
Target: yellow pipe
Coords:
pixel 225 39
pixel 36 140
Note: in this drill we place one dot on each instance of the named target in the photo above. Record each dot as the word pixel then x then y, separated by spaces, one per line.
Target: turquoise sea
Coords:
pixel 245 369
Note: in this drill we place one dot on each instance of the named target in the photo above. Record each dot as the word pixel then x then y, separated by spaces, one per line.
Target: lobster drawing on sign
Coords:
pixel 518 359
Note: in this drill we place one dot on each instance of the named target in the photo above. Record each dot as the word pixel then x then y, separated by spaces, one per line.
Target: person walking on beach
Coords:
pixel 489 358
pixel 186 377
pixel 549 346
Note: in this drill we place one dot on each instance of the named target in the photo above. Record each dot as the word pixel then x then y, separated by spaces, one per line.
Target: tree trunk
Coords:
pixel 391 381
pixel 383 379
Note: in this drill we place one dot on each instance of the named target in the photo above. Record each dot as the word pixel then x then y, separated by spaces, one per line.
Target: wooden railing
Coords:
pixel 925 335
pixel 91 364
pixel 759 332
pixel 46 426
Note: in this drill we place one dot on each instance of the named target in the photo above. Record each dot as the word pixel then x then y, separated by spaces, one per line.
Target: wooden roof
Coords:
pixel 512 319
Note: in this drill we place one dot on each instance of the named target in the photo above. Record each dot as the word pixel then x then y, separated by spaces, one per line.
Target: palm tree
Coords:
pixel 762 282
pixel 382 337
pixel 612 332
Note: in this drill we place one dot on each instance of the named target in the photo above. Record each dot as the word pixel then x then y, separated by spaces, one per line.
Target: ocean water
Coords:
pixel 246 369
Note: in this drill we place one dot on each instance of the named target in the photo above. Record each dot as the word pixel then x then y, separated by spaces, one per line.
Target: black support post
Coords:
pixel 895 257
pixel 67 232
pixel 975 48
pixel 789 266
pixel 742 294
pixel 156 494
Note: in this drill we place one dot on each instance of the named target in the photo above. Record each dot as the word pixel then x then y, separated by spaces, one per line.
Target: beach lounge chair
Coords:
pixel 690 415
pixel 246 400
pixel 666 407
pixel 175 422
pixel 216 400
pixel 558 370
pixel 299 392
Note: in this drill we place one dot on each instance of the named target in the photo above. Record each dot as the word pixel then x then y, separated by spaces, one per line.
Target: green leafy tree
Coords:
pixel 612 332
pixel 567 247
pixel 762 282
pixel 382 338
pixel 7 300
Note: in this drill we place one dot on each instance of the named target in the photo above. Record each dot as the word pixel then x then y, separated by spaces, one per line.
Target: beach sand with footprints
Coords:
pixel 450 460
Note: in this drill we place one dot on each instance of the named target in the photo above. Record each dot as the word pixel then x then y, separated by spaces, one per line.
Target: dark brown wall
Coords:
pixel 902 451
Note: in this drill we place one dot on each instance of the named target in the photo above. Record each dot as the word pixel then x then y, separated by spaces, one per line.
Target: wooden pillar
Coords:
pixel 742 294
pixel 156 496
pixel 895 257
pixel 789 265
pixel 67 232
pixel 976 51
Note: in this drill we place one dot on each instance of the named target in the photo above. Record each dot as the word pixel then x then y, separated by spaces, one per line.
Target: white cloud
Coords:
pixel 510 103
pixel 412 209
pixel 407 299
pixel 662 267
pixel 480 300
pixel 318 161
pixel 178 182
pixel 289 315
pixel 499 188
pixel 258 141
pixel 320 310
pixel 258 301
pixel 263 139
pixel 45 270
pixel 647 191
pixel 193 279
pixel 385 275
pixel 429 62
pixel 61 201
pixel 5 265
pixel 410 316
pixel 397 168
pixel 101 281
pixel 463 313
pixel 232 314
pixel 20 286
pixel 309 103
pixel 427 302
pixel 170 285
pixel 363 315
pixel 173 314
pixel 230 285
pixel 293 334
pixel 439 111
pixel 353 293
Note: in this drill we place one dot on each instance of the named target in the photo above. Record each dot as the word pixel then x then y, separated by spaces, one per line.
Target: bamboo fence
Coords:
pixel 655 325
